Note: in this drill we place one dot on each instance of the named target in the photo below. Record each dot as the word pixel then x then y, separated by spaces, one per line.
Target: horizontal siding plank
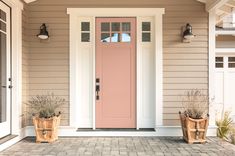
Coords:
pixel 48 86
pixel 53 80
pixel 49 50
pixel 60 62
pixel 177 92
pixel 185 80
pixel 185 86
pixel 182 45
pixel 185 62
pixel 175 122
pixel 49 74
pixel 186 68
pixel 48 68
pixel 181 74
pixel 178 38
pixel 46 56
pixel 198 50
pixel 185 56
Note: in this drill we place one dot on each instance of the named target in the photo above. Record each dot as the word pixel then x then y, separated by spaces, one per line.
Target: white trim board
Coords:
pixel 78 89
pixel 161 131
pixel 224 32
pixel 225 50
pixel 115 12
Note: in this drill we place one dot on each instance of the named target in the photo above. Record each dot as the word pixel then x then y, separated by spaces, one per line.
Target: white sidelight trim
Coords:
pixel 212 47
pixel 75 51
pixel 16 48
pixel 159 69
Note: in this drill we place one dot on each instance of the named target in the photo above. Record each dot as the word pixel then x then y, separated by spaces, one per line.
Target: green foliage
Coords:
pixel 195 104
pixel 224 126
pixel 45 106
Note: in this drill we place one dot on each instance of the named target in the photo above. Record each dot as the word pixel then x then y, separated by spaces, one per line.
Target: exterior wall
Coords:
pixel 185 64
pixel 225 41
pixel 25 65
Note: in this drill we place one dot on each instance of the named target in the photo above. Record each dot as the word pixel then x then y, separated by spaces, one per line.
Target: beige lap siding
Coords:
pixel 185 64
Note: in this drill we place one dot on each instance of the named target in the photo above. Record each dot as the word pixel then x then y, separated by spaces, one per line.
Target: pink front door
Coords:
pixel 115 72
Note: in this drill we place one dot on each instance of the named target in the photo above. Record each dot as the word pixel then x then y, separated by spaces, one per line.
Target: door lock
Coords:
pixel 97 88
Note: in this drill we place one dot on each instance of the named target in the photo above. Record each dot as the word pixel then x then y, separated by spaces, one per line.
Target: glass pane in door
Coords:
pixel 3 108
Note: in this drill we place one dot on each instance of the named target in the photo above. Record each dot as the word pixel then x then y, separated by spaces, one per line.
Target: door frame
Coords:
pixel 7 124
pixel 89 14
pixel 16 64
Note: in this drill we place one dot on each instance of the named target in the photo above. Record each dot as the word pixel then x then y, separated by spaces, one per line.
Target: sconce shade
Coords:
pixel 188 34
pixel 43 32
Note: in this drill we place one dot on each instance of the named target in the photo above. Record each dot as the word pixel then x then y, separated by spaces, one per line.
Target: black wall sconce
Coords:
pixel 188 33
pixel 43 35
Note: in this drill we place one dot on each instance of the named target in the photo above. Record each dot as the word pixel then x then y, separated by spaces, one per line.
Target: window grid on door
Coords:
pixel 115 32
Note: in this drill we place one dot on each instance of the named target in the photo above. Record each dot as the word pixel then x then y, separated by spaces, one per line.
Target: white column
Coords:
pixel 212 23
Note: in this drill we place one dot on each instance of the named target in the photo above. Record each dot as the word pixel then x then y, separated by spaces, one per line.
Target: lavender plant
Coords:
pixel 195 104
pixel 45 106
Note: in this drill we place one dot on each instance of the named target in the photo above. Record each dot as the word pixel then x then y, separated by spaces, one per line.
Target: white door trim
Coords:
pixel 76 92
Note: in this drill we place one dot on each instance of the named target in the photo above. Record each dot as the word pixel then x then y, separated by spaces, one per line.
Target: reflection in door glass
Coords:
pixel 105 37
pixel 3 77
pixel 115 37
pixel 126 37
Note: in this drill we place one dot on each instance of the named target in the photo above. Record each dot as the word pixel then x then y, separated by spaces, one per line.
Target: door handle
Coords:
pixel 97 88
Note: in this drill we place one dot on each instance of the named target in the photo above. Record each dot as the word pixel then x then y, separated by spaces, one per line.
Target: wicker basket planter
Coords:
pixel 194 130
pixel 46 129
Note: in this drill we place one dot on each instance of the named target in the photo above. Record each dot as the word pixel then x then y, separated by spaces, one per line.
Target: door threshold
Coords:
pixel 7 138
pixel 116 129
